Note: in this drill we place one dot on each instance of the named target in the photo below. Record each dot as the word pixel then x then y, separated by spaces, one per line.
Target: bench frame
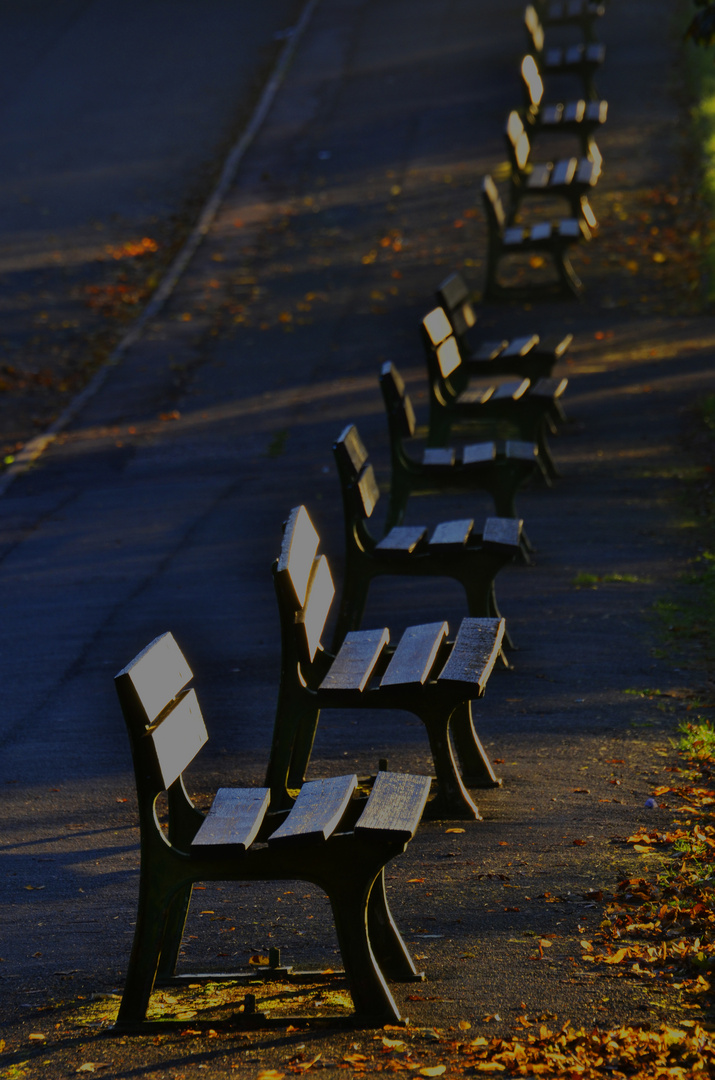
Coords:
pixel 368 672
pixel 455 550
pixel 337 842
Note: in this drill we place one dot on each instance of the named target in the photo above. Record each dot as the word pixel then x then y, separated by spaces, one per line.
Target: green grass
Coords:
pixel 585 580
pixel 697 739
pixel 699 67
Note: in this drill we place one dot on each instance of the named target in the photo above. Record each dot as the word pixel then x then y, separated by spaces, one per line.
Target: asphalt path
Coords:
pixel 160 508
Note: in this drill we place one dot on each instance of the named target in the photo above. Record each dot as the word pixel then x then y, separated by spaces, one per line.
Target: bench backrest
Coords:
pixel 517 142
pixel 164 720
pixel 533 83
pixel 446 373
pixel 534 28
pixel 455 297
pixel 496 218
pixel 304 586
pixel 357 476
pixel 400 414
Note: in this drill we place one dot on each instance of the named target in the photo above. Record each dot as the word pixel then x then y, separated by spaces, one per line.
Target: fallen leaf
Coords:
pixel 433 1070
pixel 454 830
pixel 92 1066
pixel 464 1025
pixel 37 1037
pixel 415 881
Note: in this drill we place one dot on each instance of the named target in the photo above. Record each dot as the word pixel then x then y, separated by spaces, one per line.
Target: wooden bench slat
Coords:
pixel 155 676
pixel 317 605
pixel 564 171
pixel 451 535
pixel 541 231
pixel 474 652
pixel 317 811
pixel 549 388
pixel 448 356
pixel 574 111
pixel 570 227
pixel 477 396
pixel 395 806
pixel 477 453
pixel 437 325
pixel 454 291
pixel 368 490
pixel 588 171
pixel 415 655
pixel 234 819
pixel 520 346
pixel 300 543
pixel 597 112
pixel 178 737
pixel 356 660
pixel 520 450
pixel 352 447
pixel 514 235
pixel 402 538
pixel 503 532
pixel 540 175
pixel 489 350
pixel 438 455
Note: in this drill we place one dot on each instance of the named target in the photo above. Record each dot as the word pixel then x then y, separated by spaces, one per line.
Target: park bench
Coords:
pixel 515 409
pixel 583 14
pixel 426 674
pixel 547 238
pixel 531 356
pixel 581 60
pixel 453 549
pixel 329 837
pixel 499 468
pixel 568 178
pixel 579 117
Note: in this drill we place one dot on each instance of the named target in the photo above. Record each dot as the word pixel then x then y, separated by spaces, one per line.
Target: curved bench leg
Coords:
pixel 571 283
pixel 173 933
pixel 374 1004
pixel 476 766
pixel 385 938
pixel 452 799
pixel 152 915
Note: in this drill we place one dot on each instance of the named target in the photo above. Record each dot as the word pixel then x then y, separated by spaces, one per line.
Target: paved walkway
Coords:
pixel 161 509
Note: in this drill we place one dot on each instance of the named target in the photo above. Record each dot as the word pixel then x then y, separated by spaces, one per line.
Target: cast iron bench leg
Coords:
pixel 386 939
pixel 452 799
pixel 476 767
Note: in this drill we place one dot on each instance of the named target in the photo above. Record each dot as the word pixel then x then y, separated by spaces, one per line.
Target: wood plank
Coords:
pixel 570 227
pixel 178 737
pixel 549 388
pixel 541 231
pixel 368 490
pixel 453 291
pixel 403 539
pixel 414 657
pixel 317 605
pixel 439 455
pixel 514 236
pixel 595 52
pixel 552 114
pixel 395 806
pixel 575 111
pixel 557 344
pixel 356 660
pixel 588 172
pixel 510 391
pixel 597 111
pixel 317 811
pixel 489 350
pixel 573 55
pixel 520 450
pixel 451 535
pixel 437 325
pixel 351 446
pixel 503 532
pixel 234 819
pixel 564 171
pixel 540 175
pixel 478 453
pixel 478 396
pixel 520 346
pixel 154 677
pixel 474 653
pixel 448 356
pixel 300 543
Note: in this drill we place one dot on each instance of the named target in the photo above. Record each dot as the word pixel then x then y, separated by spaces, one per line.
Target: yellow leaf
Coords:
pixel 616 958
pixel 535 261
pixel 270 1074
pixel 454 830
pixel 659 257
pixel 490 1066
pixel 433 1070
pixel 643 849
pixel 394 1044
pixel 37 1037
pixel 545 943
pixel 632 265
pixel 464 1025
